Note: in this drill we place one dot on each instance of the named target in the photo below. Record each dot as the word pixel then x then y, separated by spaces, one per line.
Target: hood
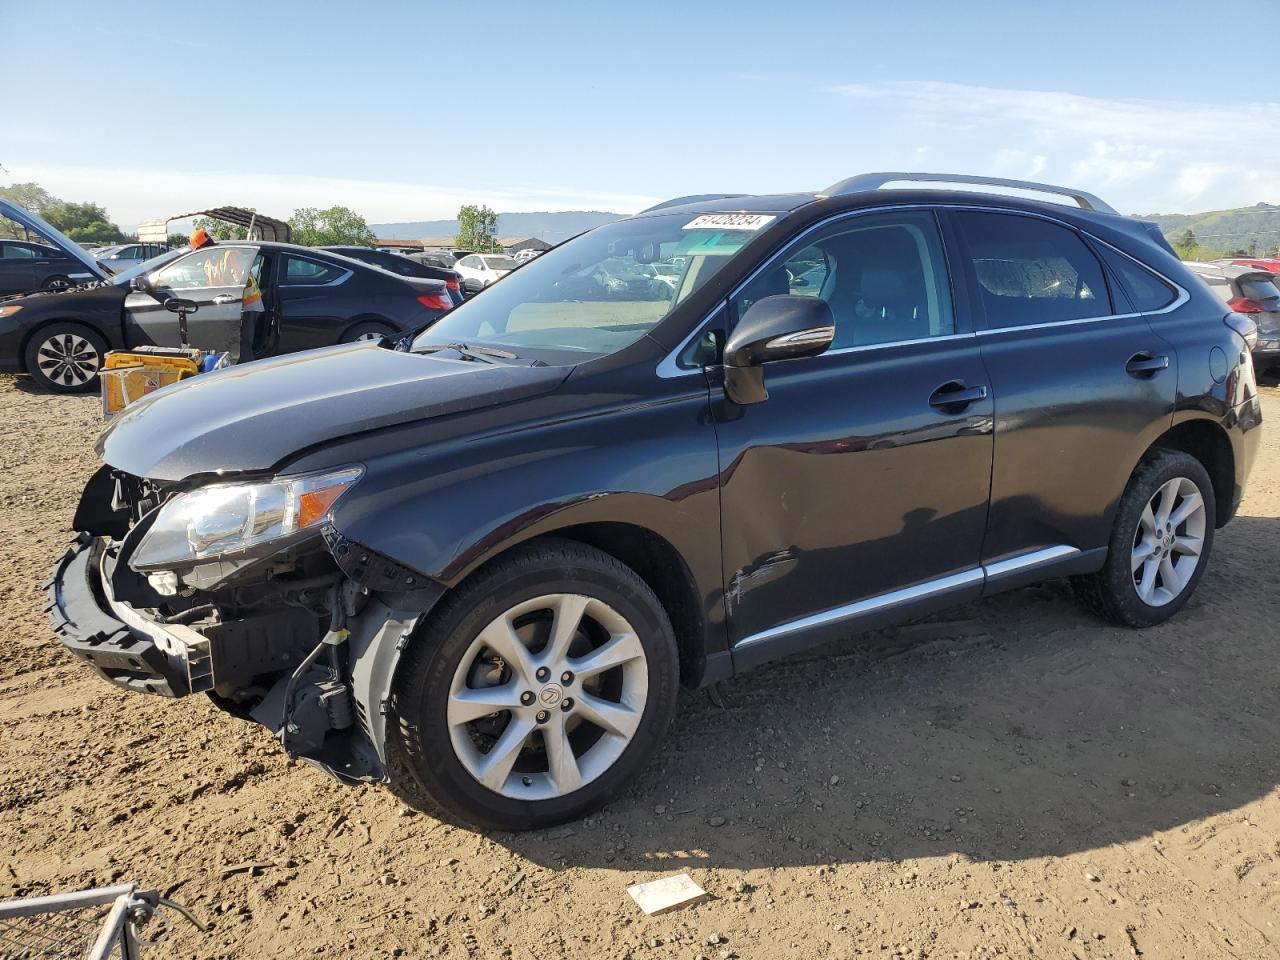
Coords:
pixel 251 417
pixel 65 244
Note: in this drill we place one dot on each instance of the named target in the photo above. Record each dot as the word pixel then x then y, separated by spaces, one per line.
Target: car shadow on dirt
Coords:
pixel 1012 728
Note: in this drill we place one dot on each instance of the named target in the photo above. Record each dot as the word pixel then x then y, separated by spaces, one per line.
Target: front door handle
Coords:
pixel 1145 364
pixel 225 298
pixel 954 396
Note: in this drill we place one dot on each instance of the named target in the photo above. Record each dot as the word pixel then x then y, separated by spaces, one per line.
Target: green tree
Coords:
pixel 83 222
pixel 218 229
pixel 476 227
pixel 322 228
pixel 1186 246
pixel 29 196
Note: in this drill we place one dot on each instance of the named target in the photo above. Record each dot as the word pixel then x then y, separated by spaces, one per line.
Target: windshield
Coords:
pixel 146 266
pixel 501 263
pixel 599 292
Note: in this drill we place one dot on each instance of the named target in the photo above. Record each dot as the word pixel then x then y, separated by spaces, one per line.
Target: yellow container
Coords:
pixel 128 375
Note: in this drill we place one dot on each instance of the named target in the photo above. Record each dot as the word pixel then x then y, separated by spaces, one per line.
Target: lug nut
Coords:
pixel 527 697
pixel 543 716
pixel 566 703
pixel 566 677
pixel 542 673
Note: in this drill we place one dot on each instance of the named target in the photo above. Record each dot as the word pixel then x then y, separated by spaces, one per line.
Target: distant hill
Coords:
pixel 553 226
pixel 1254 230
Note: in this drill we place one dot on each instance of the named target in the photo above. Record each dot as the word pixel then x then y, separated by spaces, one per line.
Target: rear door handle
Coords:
pixel 225 298
pixel 1146 364
pixel 954 395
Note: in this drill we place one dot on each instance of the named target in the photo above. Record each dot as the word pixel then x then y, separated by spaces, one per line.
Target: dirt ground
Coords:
pixel 1012 779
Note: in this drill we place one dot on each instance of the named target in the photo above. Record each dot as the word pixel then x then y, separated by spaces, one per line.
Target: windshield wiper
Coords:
pixel 482 354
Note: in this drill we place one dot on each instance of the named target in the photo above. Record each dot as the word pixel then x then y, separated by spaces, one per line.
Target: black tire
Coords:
pixel 419 733
pixel 1112 593
pixel 51 345
pixel 56 282
pixel 367 331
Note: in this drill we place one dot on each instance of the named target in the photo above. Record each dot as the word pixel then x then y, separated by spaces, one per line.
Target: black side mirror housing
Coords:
pixel 776 328
pixel 141 284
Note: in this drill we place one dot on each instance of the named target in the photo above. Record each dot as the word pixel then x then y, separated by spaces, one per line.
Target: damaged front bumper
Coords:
pixel 255 667
pixel 122 646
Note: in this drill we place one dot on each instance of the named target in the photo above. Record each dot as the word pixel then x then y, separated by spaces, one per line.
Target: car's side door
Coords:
pixel 858 489
pixel 310 312
pixel 17 268
pixel 214 279
pixel 1082 385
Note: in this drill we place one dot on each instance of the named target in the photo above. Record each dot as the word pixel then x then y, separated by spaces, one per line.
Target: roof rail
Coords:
pixel 874 181
pixel 692 198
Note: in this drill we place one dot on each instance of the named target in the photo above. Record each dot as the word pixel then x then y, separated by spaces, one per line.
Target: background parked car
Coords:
pixel 1269 264
pixel 1254 292
pixel 523 256
pixel 28 266
pixel 127 255
pixel 404 266
pixel 313 298
pixel 485 268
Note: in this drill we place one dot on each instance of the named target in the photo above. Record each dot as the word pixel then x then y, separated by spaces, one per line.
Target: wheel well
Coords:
pixel 662 568
pixel 1208 443
pixel 31 335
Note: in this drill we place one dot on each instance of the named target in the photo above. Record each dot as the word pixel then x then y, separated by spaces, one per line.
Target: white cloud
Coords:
pixel 135 194
pixel 1142 154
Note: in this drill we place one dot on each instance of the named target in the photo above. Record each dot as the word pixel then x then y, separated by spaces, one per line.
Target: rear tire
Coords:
pixel 1159 546
pixel 521 737
pixel 65 357
pixel 371 330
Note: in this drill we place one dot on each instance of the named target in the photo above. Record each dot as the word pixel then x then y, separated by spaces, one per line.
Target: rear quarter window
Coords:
pixel 1146 291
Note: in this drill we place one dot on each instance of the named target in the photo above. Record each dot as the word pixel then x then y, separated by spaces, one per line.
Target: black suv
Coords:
pixel 480 564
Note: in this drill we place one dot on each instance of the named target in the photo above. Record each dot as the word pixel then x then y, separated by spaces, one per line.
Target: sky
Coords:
pixel 405 111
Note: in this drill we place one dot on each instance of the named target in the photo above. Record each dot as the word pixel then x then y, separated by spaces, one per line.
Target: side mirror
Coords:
pixel 775 328
pixel 142 284
pixel 472 286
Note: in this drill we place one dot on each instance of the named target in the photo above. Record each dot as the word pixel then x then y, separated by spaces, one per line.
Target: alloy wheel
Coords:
pixel 68 359
pixel 548 696
pixel 1169 542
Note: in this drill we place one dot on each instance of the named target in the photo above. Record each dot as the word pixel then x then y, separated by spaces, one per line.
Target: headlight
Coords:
pixel 10 310
pixel 230 518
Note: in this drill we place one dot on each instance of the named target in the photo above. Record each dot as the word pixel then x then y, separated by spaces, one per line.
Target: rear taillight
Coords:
pixel 1246 305
pixel 451 285
pixel 436 301
pixel 1242 325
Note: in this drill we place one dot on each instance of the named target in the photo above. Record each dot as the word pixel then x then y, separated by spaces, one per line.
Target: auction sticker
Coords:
pixel 730 221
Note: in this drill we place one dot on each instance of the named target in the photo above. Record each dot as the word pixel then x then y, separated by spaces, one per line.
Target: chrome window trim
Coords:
pixel 920 591
pixel 668 366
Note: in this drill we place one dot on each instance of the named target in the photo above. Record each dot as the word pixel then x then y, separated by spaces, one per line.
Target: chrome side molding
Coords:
pixel 921 591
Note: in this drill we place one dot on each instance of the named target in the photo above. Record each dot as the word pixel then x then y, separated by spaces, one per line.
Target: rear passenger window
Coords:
pixel 1145 290
pixel 309 273
pixel 1032 271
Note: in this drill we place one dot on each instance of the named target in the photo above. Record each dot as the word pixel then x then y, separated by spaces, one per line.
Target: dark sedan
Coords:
pixel 311 298
pixel 403 266
pixel 25 265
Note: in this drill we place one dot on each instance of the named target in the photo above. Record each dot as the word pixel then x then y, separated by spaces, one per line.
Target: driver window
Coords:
pixel 884 277
pixel 211 267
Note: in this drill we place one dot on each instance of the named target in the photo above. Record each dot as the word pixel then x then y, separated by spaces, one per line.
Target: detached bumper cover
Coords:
pixel 118 643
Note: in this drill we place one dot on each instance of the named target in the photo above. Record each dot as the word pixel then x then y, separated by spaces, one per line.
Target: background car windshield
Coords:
pixel 597 293
pixel 501 263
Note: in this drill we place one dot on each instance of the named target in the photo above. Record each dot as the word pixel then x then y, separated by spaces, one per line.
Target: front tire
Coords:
pixel 65 357
pixel 536 691
pixel 1159 546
